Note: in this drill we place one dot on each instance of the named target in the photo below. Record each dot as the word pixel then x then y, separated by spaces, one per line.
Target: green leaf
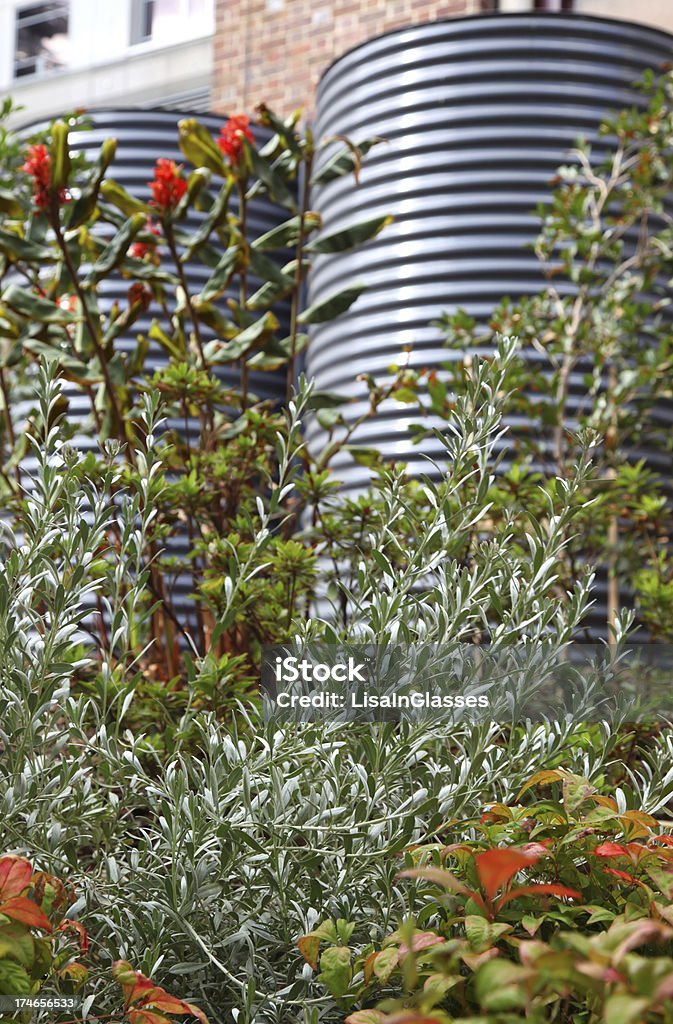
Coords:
pixel 85 204
pixel 221 276
pixel 216 217
pixel 16 248
pixel 287 233
pixel 326 400
pixel 335 969
pixel 60 156
pixel 17 943
pixel 332 306
pixel 119 197
pixel 271 178
pixel 10 205
pixel 500 985
pixel 349 238
pixel 622 1008
pixel 277 352
pixel 385 963
pixel 253 336
pixel 35 308
pixel 13 979
pixel 344 161
pixel 170 345
pixel 199 147
pixel 116 250
pixel 481 932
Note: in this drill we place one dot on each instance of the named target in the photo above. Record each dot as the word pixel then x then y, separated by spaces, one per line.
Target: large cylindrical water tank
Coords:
pixel 477 114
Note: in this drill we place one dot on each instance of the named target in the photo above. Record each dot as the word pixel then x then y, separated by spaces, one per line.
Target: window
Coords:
pixel 41 38
pixel 167 21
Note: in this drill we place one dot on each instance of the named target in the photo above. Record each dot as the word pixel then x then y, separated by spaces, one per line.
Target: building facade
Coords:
pixel 276 50
pixel 63 55
pixel 226 55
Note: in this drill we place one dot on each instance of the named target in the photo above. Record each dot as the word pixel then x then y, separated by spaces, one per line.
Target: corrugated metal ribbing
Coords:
pixel 143 136
pixel 478 113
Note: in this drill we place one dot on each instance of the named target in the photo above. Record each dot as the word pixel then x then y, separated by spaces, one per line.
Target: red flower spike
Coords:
pixel 232 135
pixel 168 186
pixel 38 165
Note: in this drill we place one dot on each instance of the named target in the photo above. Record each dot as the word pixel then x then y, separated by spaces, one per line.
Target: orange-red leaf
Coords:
pixel 309 947
pixel 75 972
pixel 20 908
pixel 421 940
pixel 197 1012
pixel 147 1017
pixel 497 867
pixel 543 889
pixel 127 977
pixel 541 778
pixel 78 927
pixel 15 875
pixel 163 1000
pixel 611 850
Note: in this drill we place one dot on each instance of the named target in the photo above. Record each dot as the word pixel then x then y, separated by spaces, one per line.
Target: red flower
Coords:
pixel 168 186
pixel 232 135
pixel 140 249
pixel 38 164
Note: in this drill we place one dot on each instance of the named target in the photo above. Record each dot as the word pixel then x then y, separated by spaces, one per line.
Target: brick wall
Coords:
pixel 276 50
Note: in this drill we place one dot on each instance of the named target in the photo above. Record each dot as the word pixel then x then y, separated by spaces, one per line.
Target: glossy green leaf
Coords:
pixel 344 161
pixel 117 195
pixel 199 147
pixel 253 336
pixel 349 238
pixel 270 176
pixel 332 306
pixel 85 204
pixel 60 155
pixel 17 248
pixel 34 307
pixel 116 250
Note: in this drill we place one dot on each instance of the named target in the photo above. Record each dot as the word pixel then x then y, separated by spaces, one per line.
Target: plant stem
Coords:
pixel 109 386
pixel 298 275
pixel 243 283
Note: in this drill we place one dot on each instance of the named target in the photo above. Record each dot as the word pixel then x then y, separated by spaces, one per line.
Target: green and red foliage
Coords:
pixel 146 1002
pixel 41 947
pixel 38 942
pixel 561 909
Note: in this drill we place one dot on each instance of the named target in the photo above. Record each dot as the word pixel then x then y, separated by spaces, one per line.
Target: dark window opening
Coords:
pixel 41 38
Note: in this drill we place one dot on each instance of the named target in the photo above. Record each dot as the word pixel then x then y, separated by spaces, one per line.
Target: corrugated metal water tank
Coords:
pixel 143 136
pixel 477 114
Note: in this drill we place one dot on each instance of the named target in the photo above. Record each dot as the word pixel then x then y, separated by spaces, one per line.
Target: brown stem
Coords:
pixel 613 525
pixel 298 276
pixel 109 386
pixel 243 283
pixel 179 266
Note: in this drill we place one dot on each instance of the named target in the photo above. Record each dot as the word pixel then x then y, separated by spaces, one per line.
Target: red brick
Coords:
pixel 278 56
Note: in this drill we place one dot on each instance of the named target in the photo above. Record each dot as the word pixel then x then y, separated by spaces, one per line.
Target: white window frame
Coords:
pixel 138 8
pixel 37 72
